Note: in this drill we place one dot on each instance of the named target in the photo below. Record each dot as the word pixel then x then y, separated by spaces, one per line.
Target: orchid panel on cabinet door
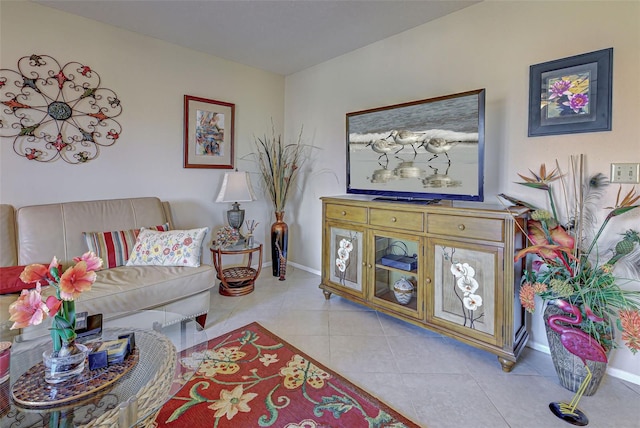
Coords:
pixel 346 258
pixel 465 287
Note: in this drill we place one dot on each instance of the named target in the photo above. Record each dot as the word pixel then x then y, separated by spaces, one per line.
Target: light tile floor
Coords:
pixel 436 381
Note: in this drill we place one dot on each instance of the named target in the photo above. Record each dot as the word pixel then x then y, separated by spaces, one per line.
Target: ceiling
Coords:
pixel 279 36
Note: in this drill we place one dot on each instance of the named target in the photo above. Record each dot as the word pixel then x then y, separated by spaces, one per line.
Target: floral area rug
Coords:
pixel 252 378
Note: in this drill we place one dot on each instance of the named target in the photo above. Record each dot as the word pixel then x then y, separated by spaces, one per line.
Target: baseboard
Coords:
pixel 296 265
pixel 613 372
pixel 305 268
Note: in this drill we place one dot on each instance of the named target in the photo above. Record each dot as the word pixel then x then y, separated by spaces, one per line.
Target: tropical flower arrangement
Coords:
pixel 279 165
pixel 31 309
pixel 568 263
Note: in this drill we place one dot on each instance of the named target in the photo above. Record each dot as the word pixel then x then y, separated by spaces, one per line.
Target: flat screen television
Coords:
pixel 420 151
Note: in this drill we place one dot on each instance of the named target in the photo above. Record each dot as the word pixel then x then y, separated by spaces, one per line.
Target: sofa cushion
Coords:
pixel 120 289
pixel 172 248
pixel 127 289
pixel 114 247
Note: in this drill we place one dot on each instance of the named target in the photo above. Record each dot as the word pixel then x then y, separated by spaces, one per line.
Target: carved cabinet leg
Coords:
pixel 507 365
pixel 327 294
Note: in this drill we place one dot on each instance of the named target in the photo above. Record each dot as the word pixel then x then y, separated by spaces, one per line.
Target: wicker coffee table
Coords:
pixel 134 399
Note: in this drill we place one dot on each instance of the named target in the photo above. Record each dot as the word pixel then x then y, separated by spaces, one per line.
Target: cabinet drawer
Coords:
pixel 413 221
pixel 348 213
pixel 466 227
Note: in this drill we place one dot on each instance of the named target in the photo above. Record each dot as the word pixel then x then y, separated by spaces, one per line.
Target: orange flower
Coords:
pixel 75 280
pixel 34 273
pixel 28 310
pixel 630 321
pixel 527 294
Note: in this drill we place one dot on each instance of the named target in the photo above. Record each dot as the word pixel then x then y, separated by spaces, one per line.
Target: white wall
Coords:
pixel 150 77
pixel 489 45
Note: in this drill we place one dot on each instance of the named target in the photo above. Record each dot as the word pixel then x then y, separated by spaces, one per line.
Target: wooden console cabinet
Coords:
pixel 458 257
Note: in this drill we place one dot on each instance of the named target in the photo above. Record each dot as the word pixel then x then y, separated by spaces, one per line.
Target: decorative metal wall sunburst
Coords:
pixel 51 111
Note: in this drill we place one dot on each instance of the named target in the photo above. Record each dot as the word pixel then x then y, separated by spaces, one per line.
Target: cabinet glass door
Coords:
pixel 396 274
pixel 465 292
pixel 346 259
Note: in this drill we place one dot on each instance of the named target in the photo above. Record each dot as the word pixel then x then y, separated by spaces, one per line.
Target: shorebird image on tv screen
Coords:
pixel 443 136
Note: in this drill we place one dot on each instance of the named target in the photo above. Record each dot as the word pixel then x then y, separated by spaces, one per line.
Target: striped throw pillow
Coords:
pixel 114 247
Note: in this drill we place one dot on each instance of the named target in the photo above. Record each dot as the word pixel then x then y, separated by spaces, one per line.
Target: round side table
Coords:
pixel 237 280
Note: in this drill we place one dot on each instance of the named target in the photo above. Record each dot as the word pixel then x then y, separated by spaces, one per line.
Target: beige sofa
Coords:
pixel 34 234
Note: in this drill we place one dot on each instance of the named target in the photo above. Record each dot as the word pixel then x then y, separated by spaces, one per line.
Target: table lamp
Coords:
pixel 236 187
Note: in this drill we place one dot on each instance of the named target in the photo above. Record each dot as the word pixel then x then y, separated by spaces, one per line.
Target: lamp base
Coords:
pixel 235 217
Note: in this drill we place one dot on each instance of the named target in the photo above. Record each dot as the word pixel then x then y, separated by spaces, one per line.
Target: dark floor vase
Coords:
pixel 570 369
pixel 279 241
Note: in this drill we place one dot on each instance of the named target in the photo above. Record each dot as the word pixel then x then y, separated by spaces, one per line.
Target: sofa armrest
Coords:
pixel 8 246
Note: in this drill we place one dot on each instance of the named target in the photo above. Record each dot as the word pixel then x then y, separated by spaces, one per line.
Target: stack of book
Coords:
pixel 117 350
pixel 112 351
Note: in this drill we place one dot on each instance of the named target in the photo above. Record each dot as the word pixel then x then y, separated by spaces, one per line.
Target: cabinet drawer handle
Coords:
pixel 369 266
pixel 428 280
pixel 461 226
pixel 344 213
pixel 393 219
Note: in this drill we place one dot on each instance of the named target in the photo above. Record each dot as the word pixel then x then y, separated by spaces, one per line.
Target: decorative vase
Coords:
pixel 403 290
pixel 279 242
pixel 66 363
pixel 569 367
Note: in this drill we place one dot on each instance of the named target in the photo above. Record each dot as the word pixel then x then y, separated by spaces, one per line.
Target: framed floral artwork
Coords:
pixel 208 133
pixel 571 95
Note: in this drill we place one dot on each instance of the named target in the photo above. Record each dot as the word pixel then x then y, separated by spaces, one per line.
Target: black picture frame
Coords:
pixel 571 95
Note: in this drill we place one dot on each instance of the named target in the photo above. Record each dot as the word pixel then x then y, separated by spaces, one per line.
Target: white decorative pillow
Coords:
pixel 172 248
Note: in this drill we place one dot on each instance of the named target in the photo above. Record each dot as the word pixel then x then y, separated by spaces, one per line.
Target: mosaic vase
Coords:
pixel 279 242
pixel 66 363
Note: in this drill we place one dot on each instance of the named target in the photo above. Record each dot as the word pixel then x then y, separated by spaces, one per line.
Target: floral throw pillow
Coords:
pixel 172 248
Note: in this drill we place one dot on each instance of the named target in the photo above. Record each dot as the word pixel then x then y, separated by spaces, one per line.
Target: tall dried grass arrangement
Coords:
pixel 280 164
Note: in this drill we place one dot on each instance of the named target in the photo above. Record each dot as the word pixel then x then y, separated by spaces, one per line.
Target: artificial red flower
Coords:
pixel 75 280
pixel 93 262
pixel 561 242
pixel 28 310
pixel 53 304
pixel 34 273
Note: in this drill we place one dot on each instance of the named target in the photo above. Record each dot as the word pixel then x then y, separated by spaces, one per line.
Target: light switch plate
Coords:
pixel 625 173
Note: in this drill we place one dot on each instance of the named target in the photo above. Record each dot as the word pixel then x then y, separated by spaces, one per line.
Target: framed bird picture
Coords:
pixel 422 150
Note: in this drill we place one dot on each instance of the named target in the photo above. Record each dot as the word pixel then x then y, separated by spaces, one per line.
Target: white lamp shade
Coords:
pixel 236 187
